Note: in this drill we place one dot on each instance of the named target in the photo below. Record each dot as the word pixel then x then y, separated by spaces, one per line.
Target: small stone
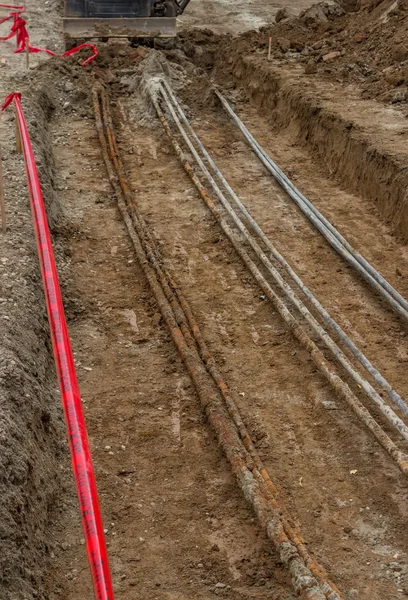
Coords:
pixel 215 548
pixel 139 53
pixel 65 545
pixel 314 16
pixel 329 405
pixel 394 77
pixel 350 5
pixel 311 68
pixel 331 56
pixel 283 44
pixel 400 96
pixel 296 45
pixel 359 37
pixel 281 15
pixel 220 585
pixel 157 319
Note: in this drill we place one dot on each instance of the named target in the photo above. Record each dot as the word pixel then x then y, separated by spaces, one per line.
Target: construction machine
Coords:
pixel 86 19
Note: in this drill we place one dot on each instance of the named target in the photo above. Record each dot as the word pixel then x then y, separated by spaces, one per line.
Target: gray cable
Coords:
pixel 332 235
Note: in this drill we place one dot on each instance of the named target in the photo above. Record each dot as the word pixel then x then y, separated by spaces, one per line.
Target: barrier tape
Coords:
pixel 19 30
pixel 64 361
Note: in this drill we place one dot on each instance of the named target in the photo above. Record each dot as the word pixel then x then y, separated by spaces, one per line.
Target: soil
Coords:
pixel 235 16
pixel 176 523
pixel 366 49
pixel 32 437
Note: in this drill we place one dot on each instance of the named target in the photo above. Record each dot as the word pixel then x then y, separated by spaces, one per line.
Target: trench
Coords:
pixel 176 523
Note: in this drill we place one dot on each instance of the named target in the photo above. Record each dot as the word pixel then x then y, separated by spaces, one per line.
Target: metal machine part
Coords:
pixel 122 18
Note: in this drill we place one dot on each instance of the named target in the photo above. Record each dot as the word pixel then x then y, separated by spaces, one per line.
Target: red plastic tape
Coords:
pixel 19 30
pixel 64 361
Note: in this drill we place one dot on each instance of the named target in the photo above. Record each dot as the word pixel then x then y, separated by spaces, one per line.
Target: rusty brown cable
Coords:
pixel 188 324
pixel 303 581
pixel 340 386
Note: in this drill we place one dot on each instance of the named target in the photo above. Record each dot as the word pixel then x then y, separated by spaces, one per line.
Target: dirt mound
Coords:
pixel 364 44
pixel 368 48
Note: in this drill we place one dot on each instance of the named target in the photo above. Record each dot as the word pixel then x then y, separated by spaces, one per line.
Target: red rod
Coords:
pixel 64 361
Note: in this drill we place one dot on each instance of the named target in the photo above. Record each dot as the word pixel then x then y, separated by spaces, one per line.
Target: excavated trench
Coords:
pixel 176 523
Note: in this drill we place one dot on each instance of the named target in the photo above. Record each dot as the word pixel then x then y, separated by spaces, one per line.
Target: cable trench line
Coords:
pixel 364 361
pixel 336 351
pixel 156 89
pixel 309 579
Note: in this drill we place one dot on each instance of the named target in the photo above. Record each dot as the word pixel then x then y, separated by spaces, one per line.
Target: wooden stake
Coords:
pixel 19 148
pixel 2 201
pixel 27 54
pixel 270 49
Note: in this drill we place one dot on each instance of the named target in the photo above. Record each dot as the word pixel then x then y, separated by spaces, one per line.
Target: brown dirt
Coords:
pixel 234 16
pixel 365 49
pixel 355 140
pixel 256 352
pixel 176 522
pixel 359 141
pixel 32 439
pixel 312 456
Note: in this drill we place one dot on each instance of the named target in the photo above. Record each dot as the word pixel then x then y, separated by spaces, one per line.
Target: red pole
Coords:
pixel 64 361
